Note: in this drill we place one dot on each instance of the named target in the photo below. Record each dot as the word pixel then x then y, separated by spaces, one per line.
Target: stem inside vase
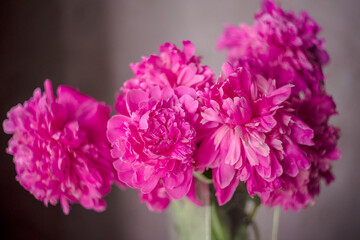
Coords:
pixel 232 221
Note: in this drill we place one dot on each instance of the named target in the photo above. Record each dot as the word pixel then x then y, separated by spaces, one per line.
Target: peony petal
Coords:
pixel 190 104
pixel 206 156
pixel 244 173
pixel 188 49
pixel 198 193
pixel 224 174
pixel 224 195
pixel 302 133
pixel 234 151
pixel 186 76
pixel 116 128
pixel 179 191
pixel 227 69
pixel 279 95
pixel 296 154
pixel 134 98
pixel 182 90
pixel 209 115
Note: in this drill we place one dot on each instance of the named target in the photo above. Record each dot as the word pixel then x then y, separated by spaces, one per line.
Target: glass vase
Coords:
pixel 232 221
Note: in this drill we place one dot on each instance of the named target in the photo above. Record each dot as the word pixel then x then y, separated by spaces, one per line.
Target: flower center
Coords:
pixel 162 132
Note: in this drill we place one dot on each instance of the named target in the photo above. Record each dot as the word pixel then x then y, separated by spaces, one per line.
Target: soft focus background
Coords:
pixel 89 43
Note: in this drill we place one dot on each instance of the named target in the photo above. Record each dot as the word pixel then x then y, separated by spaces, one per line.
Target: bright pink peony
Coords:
pixel 60 147
pixel 154 143
pixel 255 140
pixel 171 68
pixel 285 47
pixel 299 191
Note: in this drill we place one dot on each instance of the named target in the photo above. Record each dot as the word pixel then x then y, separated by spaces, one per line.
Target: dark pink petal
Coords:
pixel 198 193
pixel 206 155
pixel 279 95
pixel 234 150
pixel 188 49
pixel 295 153
pixel 187 76
pixel 244 173
pixel 224 195
pixel 227 69
pixel 302 133
pixel 210 115
pixel 134 98
pixel 182 90
pixel 116 127
pixel 190 104
pixel 334 155
pixel 180 190
pixel 157 199
pixel 224 174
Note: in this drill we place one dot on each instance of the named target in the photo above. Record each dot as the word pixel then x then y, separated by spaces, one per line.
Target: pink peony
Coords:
pixel 171 68
pixel 299 191
pixel 154 143
pixel 255 140
pixel 283 45
pixel 60 147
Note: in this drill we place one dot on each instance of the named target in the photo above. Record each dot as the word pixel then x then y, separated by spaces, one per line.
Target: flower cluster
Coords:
pixel 285 47
pixel 172 67
pixel 282 45
pixel 154 136
pixel 60 147
pixel 154 145
pixel 256 138
pixel 263 125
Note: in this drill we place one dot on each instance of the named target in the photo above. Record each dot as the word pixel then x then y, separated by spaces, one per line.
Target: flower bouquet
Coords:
pixel 257 134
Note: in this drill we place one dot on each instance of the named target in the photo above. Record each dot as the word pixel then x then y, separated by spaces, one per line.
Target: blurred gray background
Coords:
pixel 88 44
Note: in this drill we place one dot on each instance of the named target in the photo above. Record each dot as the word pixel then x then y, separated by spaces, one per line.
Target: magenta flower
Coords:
pixel 283 45
pixel 171 68
pixel 294 194
pixel 299 191
pixel 255 140
pixel 154 142
pixel 60 148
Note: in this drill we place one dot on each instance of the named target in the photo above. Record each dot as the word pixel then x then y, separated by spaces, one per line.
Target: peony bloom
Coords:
pixel 255 140
pixel 285 46
pixel 154 143
pixel 299 191
pixel 171 68
pixel 60 148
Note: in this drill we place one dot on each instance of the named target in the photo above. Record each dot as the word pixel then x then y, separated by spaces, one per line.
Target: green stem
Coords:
pixel 253 211
pixel 215 223
pixel 276 218
pixel 256 230
pixel 219 230
pixel 202 178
